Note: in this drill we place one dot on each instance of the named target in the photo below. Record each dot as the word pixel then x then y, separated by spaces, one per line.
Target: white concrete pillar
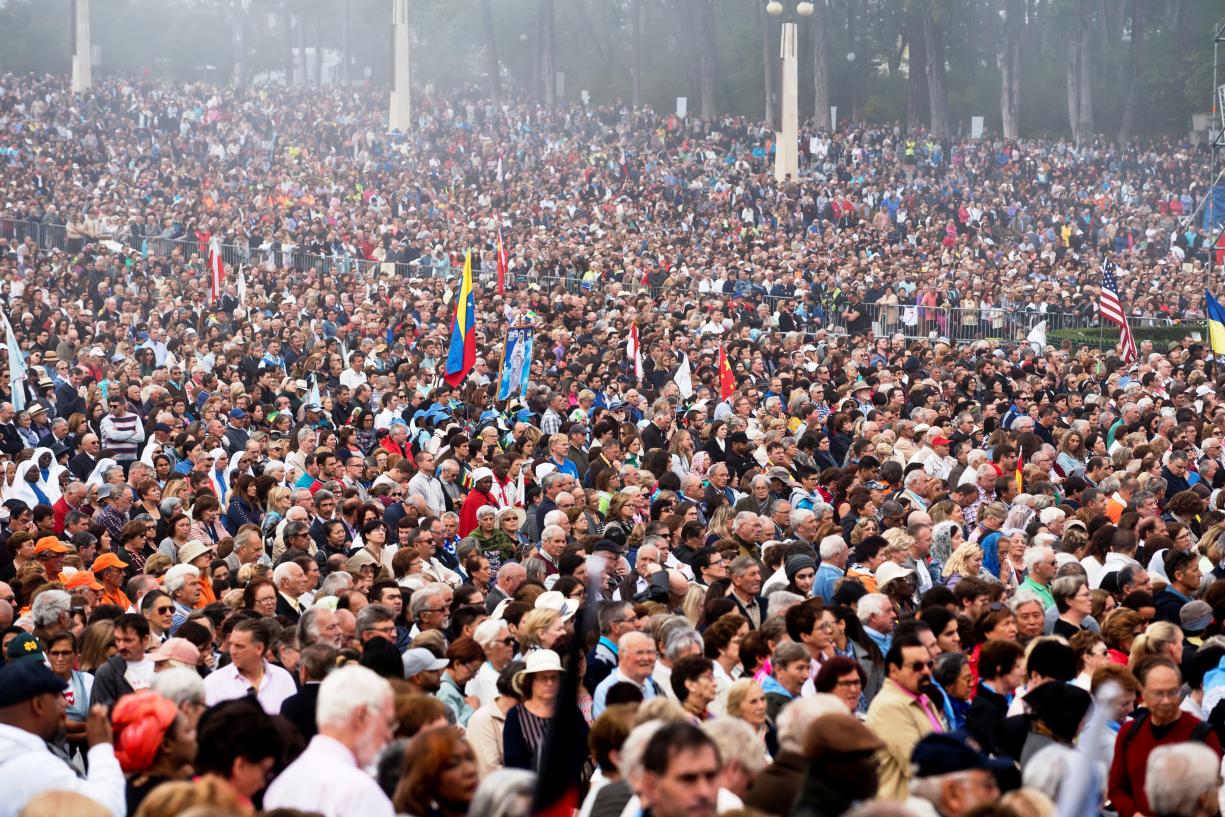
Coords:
pixel 401 100
pixel 786 147
pixel 82 65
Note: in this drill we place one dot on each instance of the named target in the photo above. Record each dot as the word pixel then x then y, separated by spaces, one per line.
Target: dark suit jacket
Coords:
pixel 984 716
pixel 493 598
pixel 82 465
pixel 775 789
pixel 10 441
pixel 284 609
pixel 67 401
pixel 761 606
pixel 299 709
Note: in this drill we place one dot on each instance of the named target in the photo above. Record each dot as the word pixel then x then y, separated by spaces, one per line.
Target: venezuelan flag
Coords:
pixel 1216 324
pixel 461 355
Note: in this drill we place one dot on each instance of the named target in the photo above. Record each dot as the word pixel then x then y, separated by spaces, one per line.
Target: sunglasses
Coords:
pixel 919 666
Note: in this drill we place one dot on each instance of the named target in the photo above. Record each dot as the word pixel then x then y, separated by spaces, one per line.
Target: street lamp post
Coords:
pixel 786 143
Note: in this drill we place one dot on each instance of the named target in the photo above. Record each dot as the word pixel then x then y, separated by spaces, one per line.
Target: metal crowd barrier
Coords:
pixel 884 320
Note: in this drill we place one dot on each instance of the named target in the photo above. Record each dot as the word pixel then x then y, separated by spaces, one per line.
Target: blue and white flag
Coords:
pixel 516 363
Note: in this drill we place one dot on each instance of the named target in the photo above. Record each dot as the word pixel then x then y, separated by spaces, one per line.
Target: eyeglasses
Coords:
pixel 61 653
pixel 163 610
pixel 919 666
pixel 851 683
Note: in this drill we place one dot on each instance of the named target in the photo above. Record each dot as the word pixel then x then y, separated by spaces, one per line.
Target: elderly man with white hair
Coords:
pixel 1183 780
pixel 356 716
pixel 834 555
pixel 182 582
pixel 1040 568
pixel 290 581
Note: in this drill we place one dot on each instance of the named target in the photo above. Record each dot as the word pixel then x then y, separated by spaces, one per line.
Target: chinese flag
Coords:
pixel 727 380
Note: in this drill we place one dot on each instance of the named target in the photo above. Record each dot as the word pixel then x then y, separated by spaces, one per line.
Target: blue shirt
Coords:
pixel 650 689
pixel 883 641
pixel 827 576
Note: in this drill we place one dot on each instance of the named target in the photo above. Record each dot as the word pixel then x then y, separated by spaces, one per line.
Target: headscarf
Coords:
pixel 942 540
pixel 49 483
pixel 699 463
pixel 98 475
pixel 23 490
pixel 141 721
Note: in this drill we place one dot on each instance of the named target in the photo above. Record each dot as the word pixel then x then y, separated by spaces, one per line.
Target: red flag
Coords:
pixel 633 351
pixel 216 272
pixel 503 264
pixel 727 380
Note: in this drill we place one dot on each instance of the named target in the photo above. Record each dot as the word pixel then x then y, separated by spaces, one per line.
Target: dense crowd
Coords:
pixel 257 554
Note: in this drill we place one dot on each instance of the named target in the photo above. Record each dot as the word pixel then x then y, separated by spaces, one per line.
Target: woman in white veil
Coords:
pixel 98 475
pixel 49 475
pixel 26 486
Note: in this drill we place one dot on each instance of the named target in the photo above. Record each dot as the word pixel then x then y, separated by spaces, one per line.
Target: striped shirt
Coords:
pixel 122 435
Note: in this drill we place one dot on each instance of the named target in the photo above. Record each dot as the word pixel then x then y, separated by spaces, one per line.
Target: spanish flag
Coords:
pixel 1216 324
pixel 727 380
pixel 461 354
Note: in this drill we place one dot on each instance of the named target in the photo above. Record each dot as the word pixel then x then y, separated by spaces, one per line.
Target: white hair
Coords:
pixel 347 689
pixel 49 606
pixel 336 582
pixel 797 717
pixel 489 630
pixel 1178 775
pixel 799 516
pixel 872 604
pixel 1050 770
pixel 176 577
pixel 630 761
pixel 179 685
pixel 831 547
pixel 742 517
pixel 737 743
pixel 1037 554
pixel 504 793
pixel 282 573
pixel 554 518
pixel 552 530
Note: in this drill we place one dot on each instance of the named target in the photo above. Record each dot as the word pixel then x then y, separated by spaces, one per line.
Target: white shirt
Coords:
pixel 484 685
pixel 226 684
pixel 430 489
pixel 351 378
pixel 27 768
pixel 326 779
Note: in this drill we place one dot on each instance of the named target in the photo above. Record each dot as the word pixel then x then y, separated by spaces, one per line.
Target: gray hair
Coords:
pixel 504 793
pixel 737 743
pixel 799 516
pixel 551 479
pixel 1037 554
pixel 176 577
pixel 49 606
pixel 422 599
pixel 371 615
pixel 831 547
pixel 486 510
pixel 489 631
pixel 742 564
pixel 1178 775
pixel 681 640
pixel 1022 597
pixel 179 685
pixel 872 604
pixel 780 601
pixel 347 689
pixel 336 582
pixel 1108 486
pixel 1064 589
pixel 799 714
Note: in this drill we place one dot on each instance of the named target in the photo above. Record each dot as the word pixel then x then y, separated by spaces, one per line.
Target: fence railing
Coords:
pixel 956 324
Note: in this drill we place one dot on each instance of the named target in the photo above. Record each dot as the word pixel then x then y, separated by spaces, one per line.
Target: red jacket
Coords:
pixel 1130 766
pixel 473 502
pixel 405 451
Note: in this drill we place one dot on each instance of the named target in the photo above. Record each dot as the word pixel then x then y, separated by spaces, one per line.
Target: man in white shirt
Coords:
pixel 355 375
pixel 250 670
pixel 424 489
pixel 31 713
pixel 356 717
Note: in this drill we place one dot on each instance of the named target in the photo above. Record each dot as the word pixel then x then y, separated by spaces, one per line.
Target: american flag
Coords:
pixel 1112 310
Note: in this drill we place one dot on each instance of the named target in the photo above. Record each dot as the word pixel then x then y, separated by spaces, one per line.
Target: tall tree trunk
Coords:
pixel 300 45
pixel 287 21
pixel 916 79
pixel 636 89
pixel 853 68
pixel 1073 71
pixel 589 30
pixel 1010 67
pixel 1087 128
pixel 820 66
pixel 706 58
pixel 491 54
pixel 1131 105
pixel 769 63
pixel 346 46
pixel 548 52
pixel 238 22
pixel 318 13
pixel 937 89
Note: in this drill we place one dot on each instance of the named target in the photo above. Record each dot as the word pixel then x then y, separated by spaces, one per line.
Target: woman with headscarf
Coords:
pixel 26 486
pixel 219 475
pixel 154 743
pixel 49 471
pixel 947 536
pixel 98 475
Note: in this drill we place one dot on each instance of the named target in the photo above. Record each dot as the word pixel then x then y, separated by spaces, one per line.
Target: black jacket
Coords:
pixel 985 714
pixel 299 709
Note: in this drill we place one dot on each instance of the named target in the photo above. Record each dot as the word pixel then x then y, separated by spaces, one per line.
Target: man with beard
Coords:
pixel 356 715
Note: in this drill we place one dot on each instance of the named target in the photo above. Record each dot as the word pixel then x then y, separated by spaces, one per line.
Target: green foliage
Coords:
pixel 1161 336
pixel 175 38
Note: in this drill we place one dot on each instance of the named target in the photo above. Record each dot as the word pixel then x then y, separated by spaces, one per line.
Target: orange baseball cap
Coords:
pixel 106 560
pixel 82 578
pixel 49 544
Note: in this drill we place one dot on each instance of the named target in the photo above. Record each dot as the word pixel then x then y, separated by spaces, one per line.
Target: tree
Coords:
pixel 1079 73
pixel 1131 79
pixel 705 42
pixel 1010 68
pixel 937 88
pixel 491 54
pixel 916 70
pixel 820 65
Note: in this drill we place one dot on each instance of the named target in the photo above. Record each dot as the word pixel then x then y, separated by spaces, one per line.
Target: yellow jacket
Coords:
pixel 899 721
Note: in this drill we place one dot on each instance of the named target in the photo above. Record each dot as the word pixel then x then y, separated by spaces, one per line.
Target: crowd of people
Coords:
pixel 257 554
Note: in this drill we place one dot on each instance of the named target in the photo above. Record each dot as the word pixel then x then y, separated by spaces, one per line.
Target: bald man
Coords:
pixel 635 662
